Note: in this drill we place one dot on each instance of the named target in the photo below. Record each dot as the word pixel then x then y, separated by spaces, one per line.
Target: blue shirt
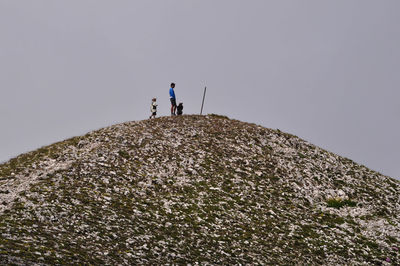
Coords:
pixel 172 93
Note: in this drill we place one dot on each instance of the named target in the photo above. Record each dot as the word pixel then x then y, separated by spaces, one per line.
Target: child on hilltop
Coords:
pixel 153 108
pixel 180 108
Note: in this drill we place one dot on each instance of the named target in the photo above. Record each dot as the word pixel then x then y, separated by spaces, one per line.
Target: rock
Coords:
pixel 197 188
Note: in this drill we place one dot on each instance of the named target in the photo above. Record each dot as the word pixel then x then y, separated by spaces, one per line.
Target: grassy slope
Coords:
pixel 196 189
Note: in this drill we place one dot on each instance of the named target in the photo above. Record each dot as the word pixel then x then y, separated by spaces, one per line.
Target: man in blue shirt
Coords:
pixel 173 99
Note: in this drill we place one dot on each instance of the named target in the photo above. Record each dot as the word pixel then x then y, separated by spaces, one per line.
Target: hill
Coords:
pixel 194 189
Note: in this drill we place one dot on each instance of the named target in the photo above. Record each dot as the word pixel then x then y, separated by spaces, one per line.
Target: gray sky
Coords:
pixel 327 71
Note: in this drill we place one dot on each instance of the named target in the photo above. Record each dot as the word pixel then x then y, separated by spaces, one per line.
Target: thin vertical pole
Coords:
pixel 204 96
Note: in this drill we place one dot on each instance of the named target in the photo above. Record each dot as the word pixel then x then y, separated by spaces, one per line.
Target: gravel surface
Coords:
pixel 195 190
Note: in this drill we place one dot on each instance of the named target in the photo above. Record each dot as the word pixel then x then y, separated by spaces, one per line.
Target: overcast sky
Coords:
pixel 326 71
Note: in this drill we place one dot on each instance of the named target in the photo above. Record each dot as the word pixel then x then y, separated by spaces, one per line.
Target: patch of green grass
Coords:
pixel 331 220
pixel 124 154
pixel 339 203
pixel 308 232
pixel 219 116
pixel 372 245
pixel 302 156
pixel 273 178
pixel 383 212
pixel 392 239
pixel 350 173
pixel 338 183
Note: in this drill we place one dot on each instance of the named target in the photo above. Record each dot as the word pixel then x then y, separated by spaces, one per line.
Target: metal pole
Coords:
pixel 204 96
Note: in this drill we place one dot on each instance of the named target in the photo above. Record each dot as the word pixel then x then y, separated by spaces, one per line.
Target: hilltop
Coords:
pixel 194 189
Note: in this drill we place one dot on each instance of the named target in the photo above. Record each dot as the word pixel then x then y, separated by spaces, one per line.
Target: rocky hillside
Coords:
pixel 198 190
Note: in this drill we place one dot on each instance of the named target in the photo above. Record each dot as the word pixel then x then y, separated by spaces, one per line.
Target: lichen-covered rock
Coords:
pixel 194 190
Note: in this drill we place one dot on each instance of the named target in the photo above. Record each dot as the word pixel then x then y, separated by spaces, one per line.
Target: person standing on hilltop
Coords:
pixel 153 108
pixel 173 99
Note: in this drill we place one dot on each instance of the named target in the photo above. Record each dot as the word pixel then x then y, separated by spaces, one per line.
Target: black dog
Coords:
pixel 180 108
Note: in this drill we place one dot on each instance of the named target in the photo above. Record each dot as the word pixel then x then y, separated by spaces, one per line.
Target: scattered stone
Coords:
pixel 195 189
